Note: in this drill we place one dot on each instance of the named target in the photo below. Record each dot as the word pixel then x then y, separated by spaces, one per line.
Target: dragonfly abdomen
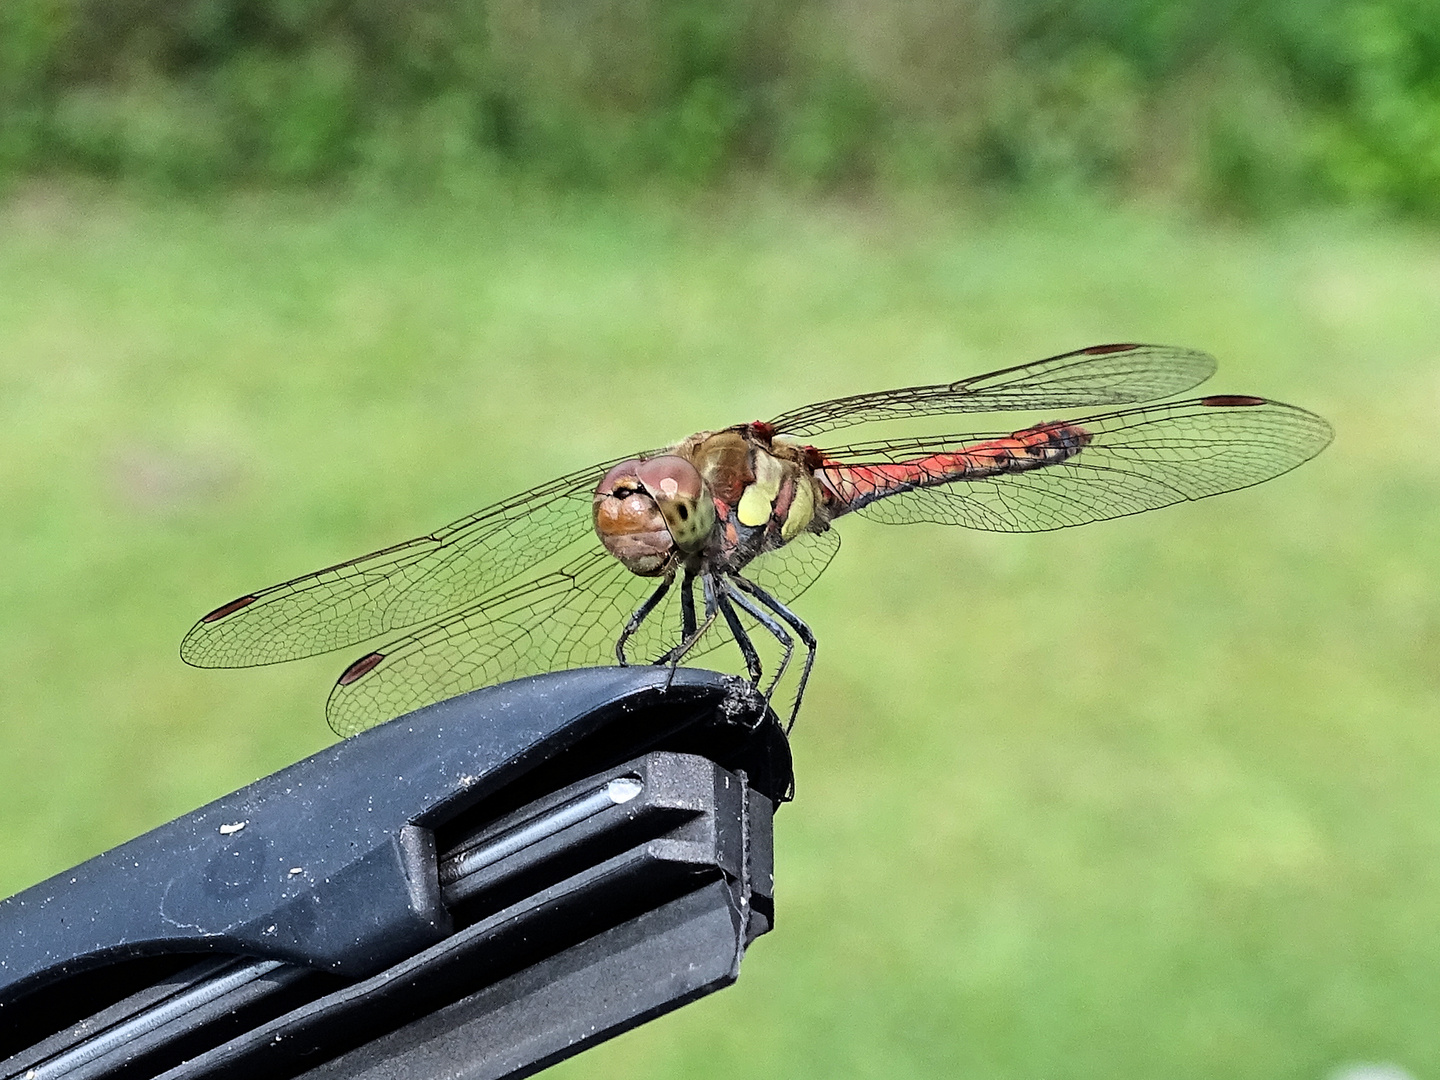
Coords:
pixel 854 486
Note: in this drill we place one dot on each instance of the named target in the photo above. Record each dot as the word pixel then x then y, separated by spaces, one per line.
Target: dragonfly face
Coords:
pixel 646 511
pixel 742 516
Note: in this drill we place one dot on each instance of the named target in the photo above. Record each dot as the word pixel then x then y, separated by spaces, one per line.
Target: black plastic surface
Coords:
pixel 314 865
pixel 702 835
pixel 593 991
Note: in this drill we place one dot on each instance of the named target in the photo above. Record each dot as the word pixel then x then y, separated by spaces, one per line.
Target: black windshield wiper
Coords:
pixel 480 888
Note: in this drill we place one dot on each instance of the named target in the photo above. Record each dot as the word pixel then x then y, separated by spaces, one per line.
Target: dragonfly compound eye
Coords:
pixel 629 523
pixel 681 494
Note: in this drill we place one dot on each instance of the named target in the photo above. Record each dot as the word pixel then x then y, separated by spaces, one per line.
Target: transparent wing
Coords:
pixel 398 586
pixel 1099 375
pixel 787 572
pixel 1137 460
pixel 568 618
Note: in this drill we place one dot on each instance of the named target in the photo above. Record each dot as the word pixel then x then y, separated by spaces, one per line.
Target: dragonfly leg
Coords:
pixel 712 610
pixel 798 625
pixel 687 603
pixel 689 629
pixel 640 614
pixel 747 647
pixel 786 641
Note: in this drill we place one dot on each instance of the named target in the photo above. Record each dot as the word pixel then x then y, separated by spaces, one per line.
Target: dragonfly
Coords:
pixel 604 564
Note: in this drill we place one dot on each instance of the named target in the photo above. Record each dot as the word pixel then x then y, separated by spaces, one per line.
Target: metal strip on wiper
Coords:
pixel 455 870
pixel 127 1032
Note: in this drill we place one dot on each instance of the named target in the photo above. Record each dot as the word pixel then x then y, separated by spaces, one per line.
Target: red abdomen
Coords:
pixel 852 486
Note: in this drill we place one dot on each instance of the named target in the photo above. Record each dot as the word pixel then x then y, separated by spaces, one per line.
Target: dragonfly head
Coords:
pixel 647 509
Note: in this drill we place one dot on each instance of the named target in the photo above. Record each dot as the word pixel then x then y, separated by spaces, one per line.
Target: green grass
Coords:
pixel 1156 797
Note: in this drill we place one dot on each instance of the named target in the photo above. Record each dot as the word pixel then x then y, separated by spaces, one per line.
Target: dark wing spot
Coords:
pixel 1225 401
pixel 1103 350
pixel 360 668
pixel 228 609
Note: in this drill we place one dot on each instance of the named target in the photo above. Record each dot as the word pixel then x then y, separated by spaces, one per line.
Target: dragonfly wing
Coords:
pixel 1098 375
pixel 568 618
pixel 398 586
pixel 787 572
pixel 1135 460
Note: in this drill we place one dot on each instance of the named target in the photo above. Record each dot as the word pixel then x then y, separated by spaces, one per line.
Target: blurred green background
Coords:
pixel 283 281
pixel 1234 103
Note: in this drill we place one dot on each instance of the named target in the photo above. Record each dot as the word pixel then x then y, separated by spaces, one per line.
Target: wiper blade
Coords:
pixel 489 885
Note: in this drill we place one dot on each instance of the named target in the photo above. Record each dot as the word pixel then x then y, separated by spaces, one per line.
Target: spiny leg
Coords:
pixel 689 631
pixel 687 603
pixel 747 647
pixel 798 625
pixel 786 641
pixel 640 614
pixel 675 655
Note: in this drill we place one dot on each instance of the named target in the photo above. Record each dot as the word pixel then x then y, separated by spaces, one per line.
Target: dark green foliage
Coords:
pixel 1249 106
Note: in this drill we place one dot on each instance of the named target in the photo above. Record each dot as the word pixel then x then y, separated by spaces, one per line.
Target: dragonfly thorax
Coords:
pixel 764 491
